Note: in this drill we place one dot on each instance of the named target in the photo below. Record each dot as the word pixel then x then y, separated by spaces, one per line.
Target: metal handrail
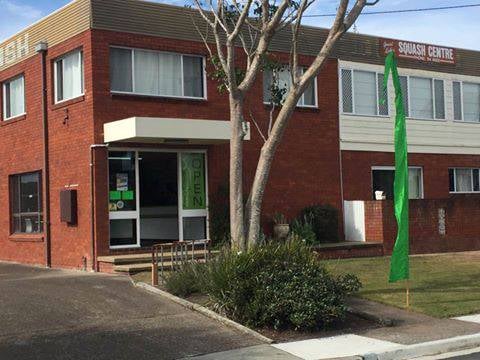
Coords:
pixel 179 254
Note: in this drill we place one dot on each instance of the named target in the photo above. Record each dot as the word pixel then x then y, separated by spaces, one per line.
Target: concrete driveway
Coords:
pixel 56 314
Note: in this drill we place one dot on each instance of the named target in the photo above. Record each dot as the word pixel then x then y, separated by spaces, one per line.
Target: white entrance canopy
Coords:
pixel 168 130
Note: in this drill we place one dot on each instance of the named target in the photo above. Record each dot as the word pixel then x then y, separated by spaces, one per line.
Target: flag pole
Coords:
pixel 408 294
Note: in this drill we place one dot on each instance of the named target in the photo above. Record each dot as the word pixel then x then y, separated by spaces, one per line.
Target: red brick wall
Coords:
pixel 461 232
pixel 22 151
pixel 357 171
pixel 306 168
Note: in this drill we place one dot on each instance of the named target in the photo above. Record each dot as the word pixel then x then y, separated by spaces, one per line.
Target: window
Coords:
pixel 154 73
pixel 26 203
pixel 424 98
pixel 69 76
pixel 466 101
pixel 363 92
pixel 308 98
pixel 384 177
pixel 464 180
pixel 14 98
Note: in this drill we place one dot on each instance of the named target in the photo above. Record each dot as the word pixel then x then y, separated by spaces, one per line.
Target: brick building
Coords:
pixel 115 138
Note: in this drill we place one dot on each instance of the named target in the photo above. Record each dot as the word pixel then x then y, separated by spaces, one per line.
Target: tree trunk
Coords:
pixel 255 201
pixel 237 222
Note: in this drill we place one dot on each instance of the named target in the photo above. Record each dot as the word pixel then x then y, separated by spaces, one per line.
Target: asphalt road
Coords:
pixel 55 314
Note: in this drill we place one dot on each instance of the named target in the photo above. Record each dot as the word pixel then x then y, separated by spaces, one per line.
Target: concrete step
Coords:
pixel 140 258
pixel 145 266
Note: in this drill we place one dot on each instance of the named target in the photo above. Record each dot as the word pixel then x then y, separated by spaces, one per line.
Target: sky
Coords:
pixel 457 28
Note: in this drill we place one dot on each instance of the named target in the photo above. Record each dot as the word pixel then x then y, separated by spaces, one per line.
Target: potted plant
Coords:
pixel 281 228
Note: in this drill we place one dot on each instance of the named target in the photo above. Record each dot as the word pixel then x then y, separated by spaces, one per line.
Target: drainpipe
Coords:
pixel 92 203
pixel 41 48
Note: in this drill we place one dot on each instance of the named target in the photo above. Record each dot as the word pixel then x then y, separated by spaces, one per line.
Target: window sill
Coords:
pixel 366 116
pixel 26 237
pixel 466 122
pixel 297 108
pixel 133 96
pixel 69 102
pixel 431 120
pixel 13 120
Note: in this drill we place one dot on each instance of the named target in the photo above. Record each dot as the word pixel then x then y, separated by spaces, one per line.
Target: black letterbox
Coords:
pixel 68 206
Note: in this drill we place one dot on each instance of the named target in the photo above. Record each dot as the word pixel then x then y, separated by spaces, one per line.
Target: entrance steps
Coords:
pixel 134 263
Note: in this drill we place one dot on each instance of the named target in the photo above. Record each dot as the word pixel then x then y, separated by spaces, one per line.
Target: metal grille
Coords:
pixel 439 99
pixel 347 96
pixel 404 85
pixel 457 100
pixel 382 96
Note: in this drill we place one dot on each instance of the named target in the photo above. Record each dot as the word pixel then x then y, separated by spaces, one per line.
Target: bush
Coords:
pixel 184 282
pixel 279 285
pixel 324 220
pixel 303 230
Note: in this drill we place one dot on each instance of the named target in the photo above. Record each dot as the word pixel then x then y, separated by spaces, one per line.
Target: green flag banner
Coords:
pixel 193 181
pixel 399 266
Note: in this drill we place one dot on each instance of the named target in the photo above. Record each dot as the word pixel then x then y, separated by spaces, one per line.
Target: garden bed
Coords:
pixel 351 324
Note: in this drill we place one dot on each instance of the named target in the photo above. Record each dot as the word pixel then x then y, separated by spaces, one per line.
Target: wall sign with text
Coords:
pixel 417 51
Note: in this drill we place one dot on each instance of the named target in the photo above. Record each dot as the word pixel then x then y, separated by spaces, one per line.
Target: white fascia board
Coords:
pixel 147 129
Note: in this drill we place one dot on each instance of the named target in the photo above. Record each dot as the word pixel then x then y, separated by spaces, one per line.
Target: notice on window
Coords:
pixel 122 182
pixel 193 182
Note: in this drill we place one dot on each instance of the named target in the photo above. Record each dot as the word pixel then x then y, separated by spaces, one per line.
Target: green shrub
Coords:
pixel 280 285
pixel 324 220
pixel 303 230
pixel 185 281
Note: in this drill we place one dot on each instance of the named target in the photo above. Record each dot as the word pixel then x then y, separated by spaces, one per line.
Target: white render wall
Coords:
pixel 375 133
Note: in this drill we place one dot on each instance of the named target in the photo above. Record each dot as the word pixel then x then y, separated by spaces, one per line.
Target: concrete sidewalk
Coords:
pixel 410 335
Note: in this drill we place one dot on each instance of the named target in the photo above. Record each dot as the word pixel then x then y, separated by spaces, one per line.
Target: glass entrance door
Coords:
pixel 123 199
pixel 157 196
pixel 193 197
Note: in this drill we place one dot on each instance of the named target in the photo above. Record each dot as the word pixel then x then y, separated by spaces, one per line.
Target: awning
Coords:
pixel 169 131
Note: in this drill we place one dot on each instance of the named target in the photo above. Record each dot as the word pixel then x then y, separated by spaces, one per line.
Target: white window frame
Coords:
pixel 377 94
pixel 455 180
pixel 55 76
pixel 315 90
pixel 461 102
pixel 134 93
pixel 135 214
pixel 392 168
pixel 4 98
pixel 432 80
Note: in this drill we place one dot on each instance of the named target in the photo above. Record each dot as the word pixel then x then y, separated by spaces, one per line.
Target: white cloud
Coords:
pixel 19 10
pixel 16 16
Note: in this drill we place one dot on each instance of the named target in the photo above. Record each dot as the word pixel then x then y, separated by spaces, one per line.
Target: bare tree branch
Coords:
pixel 258 127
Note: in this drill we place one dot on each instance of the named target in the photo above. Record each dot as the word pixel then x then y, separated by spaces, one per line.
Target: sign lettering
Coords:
pixel 417 51
pixel 15 50
pixel 193 181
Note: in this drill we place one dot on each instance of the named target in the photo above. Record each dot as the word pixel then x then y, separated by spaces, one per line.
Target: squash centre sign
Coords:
pixel 418 51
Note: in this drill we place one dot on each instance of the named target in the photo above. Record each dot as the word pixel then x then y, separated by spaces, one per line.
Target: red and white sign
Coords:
pixel 417 51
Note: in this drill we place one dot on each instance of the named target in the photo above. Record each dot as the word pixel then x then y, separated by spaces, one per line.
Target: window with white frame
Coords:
pixel 466 101
pixel 424 98
pixel 464 180
pixel 155 73
pixel 283 82
pixel 14 97
pixel 363 93
pixel 383 178
pixel 69 76
pixel 26 203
